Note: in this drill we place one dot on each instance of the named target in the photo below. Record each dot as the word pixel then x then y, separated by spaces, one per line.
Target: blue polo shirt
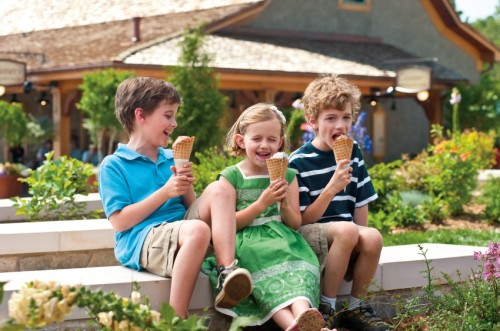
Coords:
pixel 127 177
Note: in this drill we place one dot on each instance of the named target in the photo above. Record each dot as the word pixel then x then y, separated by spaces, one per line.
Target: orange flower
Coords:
pixel 464 156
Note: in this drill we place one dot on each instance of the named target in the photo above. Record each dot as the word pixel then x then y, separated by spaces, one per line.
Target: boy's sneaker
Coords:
pixel 234 284
pixel 330 316
pixel 363 318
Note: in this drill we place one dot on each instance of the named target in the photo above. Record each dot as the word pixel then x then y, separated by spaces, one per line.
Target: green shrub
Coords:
pixel 293 131
pixel 53 187
pixel 209 164
pixel 490 196
pixel 443 236
pixel 470 304
pixel 386 181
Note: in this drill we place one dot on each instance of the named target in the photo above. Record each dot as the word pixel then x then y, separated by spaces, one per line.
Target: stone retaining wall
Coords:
pixel 57 260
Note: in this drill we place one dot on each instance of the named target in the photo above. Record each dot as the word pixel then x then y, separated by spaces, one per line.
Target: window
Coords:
pixel 362 5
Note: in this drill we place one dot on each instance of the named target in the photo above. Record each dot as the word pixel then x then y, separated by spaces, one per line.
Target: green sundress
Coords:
pixel 284 268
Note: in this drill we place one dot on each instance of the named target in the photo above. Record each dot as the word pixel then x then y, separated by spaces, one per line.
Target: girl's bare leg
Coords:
pixel 284 318
pixel 217 207
pixel 194 237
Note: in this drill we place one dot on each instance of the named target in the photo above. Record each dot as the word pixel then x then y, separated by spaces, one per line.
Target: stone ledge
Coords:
pixel 114 278
pixel 8 212
pixel 400 268
pixel 56 236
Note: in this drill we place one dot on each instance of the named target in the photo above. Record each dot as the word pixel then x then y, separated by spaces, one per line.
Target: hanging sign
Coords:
pixel 12 72
pixel 413 79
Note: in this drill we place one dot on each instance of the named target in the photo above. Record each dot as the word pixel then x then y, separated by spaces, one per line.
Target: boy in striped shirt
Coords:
pixel 334 220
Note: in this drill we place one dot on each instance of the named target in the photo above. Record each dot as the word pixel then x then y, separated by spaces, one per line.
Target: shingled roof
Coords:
pixel 21 16
pixel 284 52
pixel 92 44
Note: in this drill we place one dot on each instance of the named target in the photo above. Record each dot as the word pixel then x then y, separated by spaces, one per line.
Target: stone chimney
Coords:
pixel 136 30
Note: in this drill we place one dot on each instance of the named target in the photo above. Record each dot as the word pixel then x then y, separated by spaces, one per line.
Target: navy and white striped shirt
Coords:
pixel 314 170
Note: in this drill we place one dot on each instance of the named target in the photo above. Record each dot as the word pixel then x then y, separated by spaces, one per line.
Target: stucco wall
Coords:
pixel 404 24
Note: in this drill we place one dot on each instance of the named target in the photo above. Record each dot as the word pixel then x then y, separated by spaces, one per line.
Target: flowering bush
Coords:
pixel 8 168
pixel 359 133
pixel 491 263
pixel 453 166
pixel 38 304
pixel 470 304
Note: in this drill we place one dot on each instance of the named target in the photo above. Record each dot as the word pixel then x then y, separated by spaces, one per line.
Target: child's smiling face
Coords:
pixel 331 124
pixel 261 141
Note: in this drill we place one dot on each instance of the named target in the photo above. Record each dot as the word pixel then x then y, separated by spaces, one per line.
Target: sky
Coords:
pixel 476 9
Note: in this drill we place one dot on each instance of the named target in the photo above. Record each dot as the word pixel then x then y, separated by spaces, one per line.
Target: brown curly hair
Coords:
pixel 333 92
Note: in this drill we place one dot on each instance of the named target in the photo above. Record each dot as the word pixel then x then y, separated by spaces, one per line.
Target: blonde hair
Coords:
pixel 259 112
pixel 333 92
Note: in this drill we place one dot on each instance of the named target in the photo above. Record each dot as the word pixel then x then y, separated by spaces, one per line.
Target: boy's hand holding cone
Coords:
pixel 277 166
pixel 342 149
pixel 182 148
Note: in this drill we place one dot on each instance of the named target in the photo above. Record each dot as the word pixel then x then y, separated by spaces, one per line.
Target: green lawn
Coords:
pixel 455 237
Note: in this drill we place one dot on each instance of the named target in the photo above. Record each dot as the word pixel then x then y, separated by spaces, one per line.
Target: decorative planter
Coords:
pixel 10 186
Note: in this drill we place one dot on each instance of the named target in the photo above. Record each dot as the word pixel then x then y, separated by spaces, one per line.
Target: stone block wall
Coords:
pixel 57 260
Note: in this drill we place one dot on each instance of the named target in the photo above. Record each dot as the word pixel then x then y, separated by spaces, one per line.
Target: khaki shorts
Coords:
pixel 159 248
pixel 316 236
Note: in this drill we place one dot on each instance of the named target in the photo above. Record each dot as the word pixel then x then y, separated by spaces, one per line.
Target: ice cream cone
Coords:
pixel 182 151
pixel 342 148
pixel 276 167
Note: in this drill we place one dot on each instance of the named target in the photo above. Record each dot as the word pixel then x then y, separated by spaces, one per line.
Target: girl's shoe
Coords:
pixel 309 320
pixel 234 285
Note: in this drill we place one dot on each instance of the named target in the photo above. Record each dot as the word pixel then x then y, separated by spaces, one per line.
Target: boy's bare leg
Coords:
pixel 369 248
pixel 217 209
pixel 342 239
pixel 194 237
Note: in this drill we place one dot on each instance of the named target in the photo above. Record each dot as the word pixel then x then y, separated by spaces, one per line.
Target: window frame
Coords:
pixel 350 5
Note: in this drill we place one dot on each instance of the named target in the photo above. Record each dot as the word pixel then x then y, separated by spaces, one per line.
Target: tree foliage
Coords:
pixel 480 105
pixel 13 122
pixel 203 105
pixel 98 104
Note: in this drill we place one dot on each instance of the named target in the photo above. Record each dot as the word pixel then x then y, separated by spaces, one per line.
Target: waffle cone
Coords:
pixel 342 148
pixel 277 167
pixel 182 149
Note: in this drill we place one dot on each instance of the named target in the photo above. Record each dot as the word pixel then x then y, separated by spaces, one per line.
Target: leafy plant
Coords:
pixel 456 162
pixel 293 130
pixel 39 304
pixel 8 168
pixel 490 196
pixel 53 187
pixel 40 128
pixel 13 123
pixel 210 163
pixel 98 104
pixel 203 105
pixel 468 304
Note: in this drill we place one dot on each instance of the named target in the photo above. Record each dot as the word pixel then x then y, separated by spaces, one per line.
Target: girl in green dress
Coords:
pixel 284 269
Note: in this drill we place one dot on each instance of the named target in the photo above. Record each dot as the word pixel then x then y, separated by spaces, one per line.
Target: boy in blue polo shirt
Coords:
pixel 160 224
pixel 334 220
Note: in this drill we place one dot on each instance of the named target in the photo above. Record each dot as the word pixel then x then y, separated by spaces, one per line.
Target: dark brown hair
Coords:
pixel 142 92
